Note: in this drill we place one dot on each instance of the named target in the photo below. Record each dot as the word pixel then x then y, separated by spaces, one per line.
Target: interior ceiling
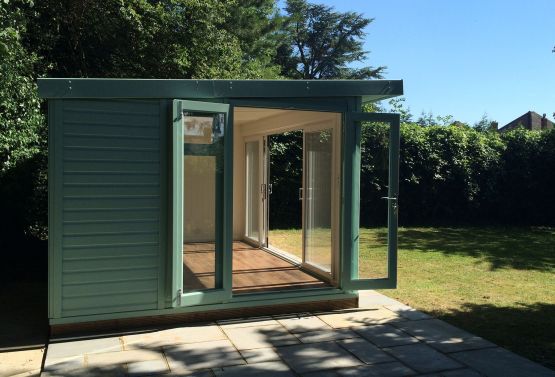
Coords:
pixel 243 115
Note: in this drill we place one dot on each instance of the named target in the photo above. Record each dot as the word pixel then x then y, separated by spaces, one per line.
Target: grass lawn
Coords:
pixel 498 283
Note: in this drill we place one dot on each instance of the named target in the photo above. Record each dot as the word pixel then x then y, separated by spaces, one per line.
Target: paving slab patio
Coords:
pixel 382 338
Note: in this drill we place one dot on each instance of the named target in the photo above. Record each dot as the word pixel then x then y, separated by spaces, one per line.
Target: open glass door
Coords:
pixel 201 204
pixel 255 191
pixel 370 210
pixel 318 200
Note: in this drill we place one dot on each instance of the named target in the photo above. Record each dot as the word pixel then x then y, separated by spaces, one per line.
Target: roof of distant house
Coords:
pixel 531 121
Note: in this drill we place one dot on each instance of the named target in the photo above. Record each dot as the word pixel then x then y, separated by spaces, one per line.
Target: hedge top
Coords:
pixel 369 90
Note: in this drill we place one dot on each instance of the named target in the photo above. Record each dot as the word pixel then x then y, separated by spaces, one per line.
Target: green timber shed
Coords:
pixel 159 195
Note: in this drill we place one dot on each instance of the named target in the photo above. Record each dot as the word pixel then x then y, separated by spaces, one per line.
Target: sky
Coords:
pixel 464 58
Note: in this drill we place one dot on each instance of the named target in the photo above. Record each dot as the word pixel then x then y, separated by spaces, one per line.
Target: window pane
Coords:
pixel 202 129
pixel 318 184
pixel 374 150
pixel 253 189
pixel 202 191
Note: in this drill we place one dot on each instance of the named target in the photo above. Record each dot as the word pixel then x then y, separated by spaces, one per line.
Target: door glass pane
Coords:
pixel 202 195
pixel 285 178
pixel 253 193
pixel 374 148
pixel 318 198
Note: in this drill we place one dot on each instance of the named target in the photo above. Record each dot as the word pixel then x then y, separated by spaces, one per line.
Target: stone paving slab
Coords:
pixel 246 322
pixel 269 369
pixel 370 316
pixel 260 355
pixel 386 338
pixel 423 358
pixel 58 366
pixel 147 368
pixel 188 357
pixel 21 363
pixel 63 349
pixel 299 324
pixel 443 336
pixel 326 335
pixel 106 371
pixel 365 351
pixel 385 335
pixel 455 373
pixel 305 358
pixel 371 299
pixel 260 336
pixel 190 334
pixel 121 357
pixel 394 369
pixel 407 312
pixel 497 361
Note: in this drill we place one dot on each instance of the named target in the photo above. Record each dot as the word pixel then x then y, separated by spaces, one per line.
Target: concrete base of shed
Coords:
pixel 160 321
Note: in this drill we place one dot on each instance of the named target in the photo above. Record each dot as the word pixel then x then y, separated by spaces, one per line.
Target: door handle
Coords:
pixel 393 204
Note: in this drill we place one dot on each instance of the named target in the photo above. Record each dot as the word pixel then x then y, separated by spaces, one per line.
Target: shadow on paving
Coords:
pixel 23 297
pixel 519 248
pixel 527 330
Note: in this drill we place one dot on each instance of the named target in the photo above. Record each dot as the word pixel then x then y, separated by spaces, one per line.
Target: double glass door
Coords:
pixel 309 190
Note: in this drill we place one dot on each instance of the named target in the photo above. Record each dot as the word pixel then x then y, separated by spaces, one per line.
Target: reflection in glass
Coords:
pixel 252 189
pixel 202 180
pixel 372 262
pixel 318 197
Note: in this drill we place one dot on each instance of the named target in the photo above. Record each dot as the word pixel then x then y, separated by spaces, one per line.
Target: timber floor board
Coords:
pixel 254 270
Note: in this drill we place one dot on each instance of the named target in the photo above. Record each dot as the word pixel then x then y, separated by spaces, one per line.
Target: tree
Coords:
pixel 398 106
pixel 255 24
pixel 150 39
pixel 22 131
pixel 20 117
pixel 320 43
pixel 485 124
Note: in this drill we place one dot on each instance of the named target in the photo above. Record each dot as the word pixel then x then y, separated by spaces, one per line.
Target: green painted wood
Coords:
pixel 224 203
pixel 107 206
pixel 329 104
pixel 55 161
pixel 227 260
pixel 260 299
pixel 351 280
pixel 370 90
pixel 109 254
pixel 164 120
pixel 349 192
pixel 177 204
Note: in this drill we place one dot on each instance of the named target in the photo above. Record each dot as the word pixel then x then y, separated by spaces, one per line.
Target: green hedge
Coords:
pixel 458 175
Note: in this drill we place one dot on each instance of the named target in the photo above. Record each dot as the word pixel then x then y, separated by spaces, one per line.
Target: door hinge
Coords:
pixel 179 293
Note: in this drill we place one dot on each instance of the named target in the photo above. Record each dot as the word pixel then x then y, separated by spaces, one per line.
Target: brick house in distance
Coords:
pixel 531 121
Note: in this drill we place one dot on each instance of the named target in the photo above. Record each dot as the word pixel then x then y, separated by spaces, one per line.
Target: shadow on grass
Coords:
pixel 519 248
pixel 526 329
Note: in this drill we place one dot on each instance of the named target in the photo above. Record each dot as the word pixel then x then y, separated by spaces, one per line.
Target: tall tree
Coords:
pixel 321 43
pixel 22 131
pixel 146 39
pixel 20 116
pixel 255 24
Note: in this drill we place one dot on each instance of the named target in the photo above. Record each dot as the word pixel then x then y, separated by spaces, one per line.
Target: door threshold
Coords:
pixel 305 267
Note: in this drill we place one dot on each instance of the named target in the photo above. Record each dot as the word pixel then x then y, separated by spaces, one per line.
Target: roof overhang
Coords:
pixel 368 90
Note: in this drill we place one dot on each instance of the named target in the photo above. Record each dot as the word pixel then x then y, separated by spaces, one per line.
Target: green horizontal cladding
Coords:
pixel 108 217
pixel 369 90
pixel 240 301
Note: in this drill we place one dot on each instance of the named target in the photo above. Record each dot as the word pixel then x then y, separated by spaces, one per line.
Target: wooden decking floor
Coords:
pixel 254 270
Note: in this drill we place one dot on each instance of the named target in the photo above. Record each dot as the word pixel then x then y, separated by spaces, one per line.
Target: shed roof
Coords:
pixel 369 90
